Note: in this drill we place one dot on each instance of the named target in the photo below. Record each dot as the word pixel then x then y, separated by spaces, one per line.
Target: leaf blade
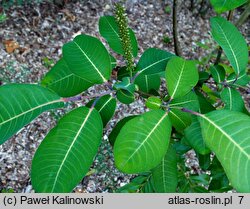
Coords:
pixel 108 29
pixel 153 61
pixel 181 76
pixel 88 58
pixel 230 142
pixel 63 81
pixel 20 104
pixel 231 41
pixel 67 152
pixel 165 174
pixel 142 142
pixel 226 5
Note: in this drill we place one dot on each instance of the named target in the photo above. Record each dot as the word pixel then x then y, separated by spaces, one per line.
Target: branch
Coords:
pixel 190 111
pixel 177 48
pixel 79 98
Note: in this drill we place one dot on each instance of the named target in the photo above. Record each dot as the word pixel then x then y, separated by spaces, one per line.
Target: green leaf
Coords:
pixel 148 187
pixel 106 107
pixel 135 185
pixel 194 137
pixel 200 179
pixel 218 73
pixel 125 96
pixel 227 133
pixel 232 100
pixel 203 76
pixel 241 80
pixel 232 43
pixel 179 119
pixel 148 83
pixel 165 174
pixel 226 5
pixel 181 76
pixel 21 103
pixel 109 30
pixel 125 84
pixel 204 160
pixel 181 147
pixel 142 142
pixel 153 61
pixel 153 103
pixel 87 57
pixel 219 182
pixel 61 80
pixel 67 152
pixel 205 106
pixel 189 101
pixel 116 130
pixel 212 96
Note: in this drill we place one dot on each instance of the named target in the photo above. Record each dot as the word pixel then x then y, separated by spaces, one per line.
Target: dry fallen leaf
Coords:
pixel 69 15
pixel 11 45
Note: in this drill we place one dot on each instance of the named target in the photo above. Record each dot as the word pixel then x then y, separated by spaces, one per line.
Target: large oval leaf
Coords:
pixel 181 76
pixel 226 5
pixel 109 30
pixel 20 104
pixel 232 99
pixel 153 61
pixel 105 106
pixel 87 57
pixel 227 133
pixel 62 81
pixel 67 152
pixel 142 142
pixel 165 174
pixel 232 43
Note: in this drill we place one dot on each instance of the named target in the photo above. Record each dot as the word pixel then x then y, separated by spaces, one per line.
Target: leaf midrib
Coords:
pixel 105 104
pixel 144 141
pixel 178 118
pixel 226 135
pixel 30 110
pixel 155 63
pixel 70 147
pixel 113 29
pixel 100 74
pixel 179 79
pixel 234 56
pixel 65 77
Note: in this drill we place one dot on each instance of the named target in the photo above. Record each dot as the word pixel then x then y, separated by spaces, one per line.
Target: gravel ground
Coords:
pixel 41 30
